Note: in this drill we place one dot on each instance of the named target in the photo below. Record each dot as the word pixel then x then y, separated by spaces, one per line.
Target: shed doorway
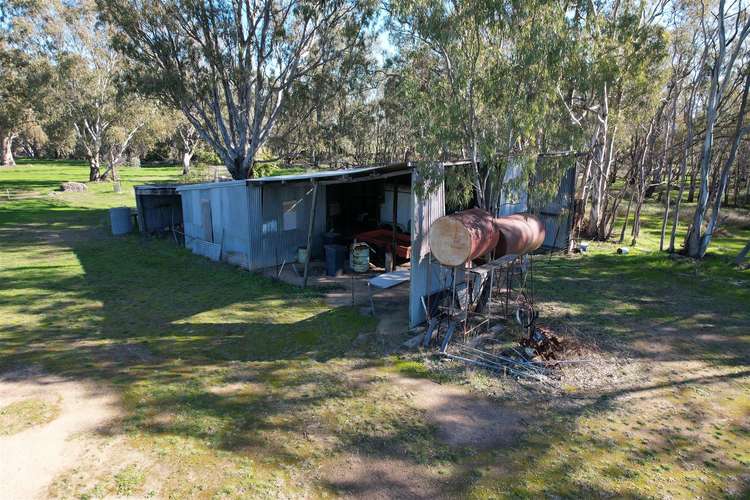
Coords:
pixel 367 211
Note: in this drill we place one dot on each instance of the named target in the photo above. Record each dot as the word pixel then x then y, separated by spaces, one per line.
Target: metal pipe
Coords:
pixel 394 210
pixel 309 232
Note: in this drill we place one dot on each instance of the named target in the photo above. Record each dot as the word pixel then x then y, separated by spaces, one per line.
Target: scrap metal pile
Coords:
pixel 469 318
pixel 538 356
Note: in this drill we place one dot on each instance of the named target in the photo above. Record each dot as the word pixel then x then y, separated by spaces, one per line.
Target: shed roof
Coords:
pixel 210 185
pixel 325 176
pixel 340 175
pixel 157 189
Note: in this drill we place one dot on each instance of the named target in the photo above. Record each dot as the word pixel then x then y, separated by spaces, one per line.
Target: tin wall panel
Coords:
pixel 427 275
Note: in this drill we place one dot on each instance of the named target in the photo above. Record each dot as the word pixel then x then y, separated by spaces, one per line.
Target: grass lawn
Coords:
pixel 232 385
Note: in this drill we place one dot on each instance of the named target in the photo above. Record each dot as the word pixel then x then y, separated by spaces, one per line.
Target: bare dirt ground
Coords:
pixel 360 476
pixel 461 419
pixel 32 458
pixel 51 459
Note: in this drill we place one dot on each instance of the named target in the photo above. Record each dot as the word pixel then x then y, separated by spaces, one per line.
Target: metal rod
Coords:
pixel 489 299
pixel 508 274
pixel 496 367
pixel 567 361
pixel 453 291
pixel 309 233
pixel 393 234
pixel 501 358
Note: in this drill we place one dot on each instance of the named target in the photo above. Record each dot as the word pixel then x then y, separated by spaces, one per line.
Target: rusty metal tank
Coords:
pixel 461 237
pixel 519 234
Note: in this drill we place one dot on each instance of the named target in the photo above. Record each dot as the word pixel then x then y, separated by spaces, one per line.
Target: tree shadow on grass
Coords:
pixel 651 307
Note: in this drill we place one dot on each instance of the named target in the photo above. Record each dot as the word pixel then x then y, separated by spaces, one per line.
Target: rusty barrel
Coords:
pixel 461 237
pixel 519 234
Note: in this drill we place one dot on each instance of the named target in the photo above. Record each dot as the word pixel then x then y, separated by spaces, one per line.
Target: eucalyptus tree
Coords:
pixel 328 116
pixel 480 78
pixel 229 66
pixel 188 141
pixel 103 114
pixel 617 68
pixel 24 77
pixel 23 80
pixel 726 29
pixel 86 101
pixel 695 55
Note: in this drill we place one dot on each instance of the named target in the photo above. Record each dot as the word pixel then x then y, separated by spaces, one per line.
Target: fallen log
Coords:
pixel 75 187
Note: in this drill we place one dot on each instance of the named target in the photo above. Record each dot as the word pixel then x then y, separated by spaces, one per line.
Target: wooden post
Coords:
pixel 310 231
pixel 395 220
pixel 139 214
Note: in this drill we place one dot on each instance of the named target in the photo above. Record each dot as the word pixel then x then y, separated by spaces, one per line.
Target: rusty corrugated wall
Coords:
pixel 557 215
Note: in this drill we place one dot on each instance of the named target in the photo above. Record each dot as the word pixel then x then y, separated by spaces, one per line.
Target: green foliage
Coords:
pixel 617 49
pixel 459 190
pixel 480 83
pixel 490 81
pixel 230 67
pixel 24 83
pixel 206 156
pixel 266 169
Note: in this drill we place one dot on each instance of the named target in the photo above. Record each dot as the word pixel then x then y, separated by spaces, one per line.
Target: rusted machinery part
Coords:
pixel 461 237
pixel 519 234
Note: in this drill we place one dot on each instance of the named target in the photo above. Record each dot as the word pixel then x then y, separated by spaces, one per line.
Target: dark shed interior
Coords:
pixel 159 208
pixel 364 211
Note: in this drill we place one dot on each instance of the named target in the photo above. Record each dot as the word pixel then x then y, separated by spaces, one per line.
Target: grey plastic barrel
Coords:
pixel 335 256
pixel 121 221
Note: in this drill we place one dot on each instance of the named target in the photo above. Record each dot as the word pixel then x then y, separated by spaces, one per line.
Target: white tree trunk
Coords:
pixel 693 242
pixel 722 73
pixel 7 147
pixel 95 168
pixel 724 182
pixel 668 163
pixel 187 157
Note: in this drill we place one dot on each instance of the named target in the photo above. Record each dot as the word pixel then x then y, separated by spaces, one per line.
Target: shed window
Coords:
pixel 289 222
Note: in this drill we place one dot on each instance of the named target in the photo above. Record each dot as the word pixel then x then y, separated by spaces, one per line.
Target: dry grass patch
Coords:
pixel 21 415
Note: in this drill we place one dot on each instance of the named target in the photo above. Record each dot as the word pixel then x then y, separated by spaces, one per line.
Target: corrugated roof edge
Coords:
pixel 331 174
pixel 210 185
pixel 321 175
pixel 157 186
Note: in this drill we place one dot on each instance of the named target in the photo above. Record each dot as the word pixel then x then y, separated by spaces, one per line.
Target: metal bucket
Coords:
pixel 121 220
pixel 359 258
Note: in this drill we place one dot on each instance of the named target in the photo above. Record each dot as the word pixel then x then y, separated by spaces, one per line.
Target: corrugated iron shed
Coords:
pixel 262 222
pixel 159 208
